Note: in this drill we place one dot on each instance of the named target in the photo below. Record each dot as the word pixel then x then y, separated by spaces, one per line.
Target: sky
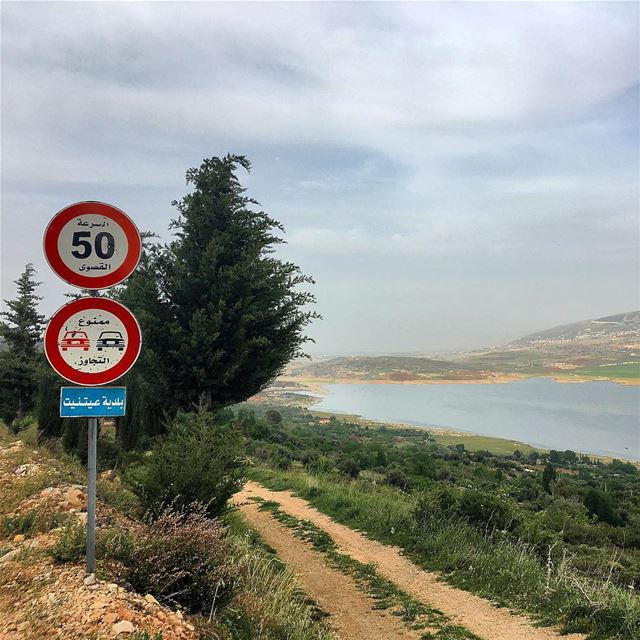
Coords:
pixel 453 175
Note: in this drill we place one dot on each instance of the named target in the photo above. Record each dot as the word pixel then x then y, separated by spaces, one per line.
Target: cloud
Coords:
pixel 467 133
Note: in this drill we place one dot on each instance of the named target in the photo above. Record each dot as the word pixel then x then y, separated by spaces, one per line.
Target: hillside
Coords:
pixel 607 347
pixel 150 578
pixel 622 328
pixel 43 592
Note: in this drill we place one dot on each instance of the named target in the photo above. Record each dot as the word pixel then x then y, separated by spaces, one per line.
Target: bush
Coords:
pixel 436 504
pixel 71 545
pixel 181 557
pixel 274 417
pixel 115 543
pixel 109 453
pixel 397 478
pixel 20 424
pixel 119 497
pixel 197 461
pixel 487 511
pixel 600 505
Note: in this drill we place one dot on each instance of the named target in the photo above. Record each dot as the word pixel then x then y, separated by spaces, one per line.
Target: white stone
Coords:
pixel 123 626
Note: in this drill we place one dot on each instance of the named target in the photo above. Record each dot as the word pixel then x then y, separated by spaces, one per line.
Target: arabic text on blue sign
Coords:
pixel 92 402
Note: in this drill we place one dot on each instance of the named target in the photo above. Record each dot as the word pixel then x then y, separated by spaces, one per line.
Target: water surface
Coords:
pixel 591 417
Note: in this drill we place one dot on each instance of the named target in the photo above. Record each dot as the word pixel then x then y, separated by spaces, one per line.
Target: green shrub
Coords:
pixel 487 511
pixel 71 544
pixel 109 453
pixel 119 497
pixel 21 424
pixel 18 524
pixel 181 557
pixel 197 461
pixel 114 543
pixel 600 505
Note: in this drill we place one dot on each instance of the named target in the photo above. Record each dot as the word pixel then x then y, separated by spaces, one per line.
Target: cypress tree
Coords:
pixel 220 314
pixel 20 330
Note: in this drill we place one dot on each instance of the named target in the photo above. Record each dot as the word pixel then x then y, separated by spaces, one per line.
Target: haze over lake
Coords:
pixel 591 417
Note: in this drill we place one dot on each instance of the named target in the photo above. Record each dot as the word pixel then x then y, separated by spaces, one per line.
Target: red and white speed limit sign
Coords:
pixel 92 341
pixel 92 245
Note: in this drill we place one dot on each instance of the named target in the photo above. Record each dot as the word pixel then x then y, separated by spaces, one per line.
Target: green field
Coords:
pixel 472 442
pixel 627 371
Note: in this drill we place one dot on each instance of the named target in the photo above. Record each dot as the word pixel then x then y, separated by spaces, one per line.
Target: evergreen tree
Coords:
pixel 148 391
pixel 549 476
pixel 23 324
pixel 220 314
pixel 50 424
pixel 21 330
pixel 197 461
pixel 600 505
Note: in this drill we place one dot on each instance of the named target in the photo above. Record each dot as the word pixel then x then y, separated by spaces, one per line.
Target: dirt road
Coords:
pixel 351 614
pixel 474 613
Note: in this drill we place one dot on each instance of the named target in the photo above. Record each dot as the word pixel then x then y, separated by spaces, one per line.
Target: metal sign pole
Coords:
pixel 92 455
pixel 91 495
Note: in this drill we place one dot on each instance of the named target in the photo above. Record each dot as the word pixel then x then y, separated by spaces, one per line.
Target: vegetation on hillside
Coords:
pixel 20 360
pixel 546 533
pixel 214 569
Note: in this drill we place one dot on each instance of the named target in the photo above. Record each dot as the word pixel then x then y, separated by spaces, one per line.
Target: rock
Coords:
pixel 51 492
pixel 110 476
pixel 149 598
pixel 25 470
pixel 33 544
pixel 90 579
pixel 18 538
pixel 9 556
pixel 73 498
pixel 122 627
pixel 111 617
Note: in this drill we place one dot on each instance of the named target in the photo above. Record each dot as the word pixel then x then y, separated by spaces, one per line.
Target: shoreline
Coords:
pixel 503 378
pixel 316 386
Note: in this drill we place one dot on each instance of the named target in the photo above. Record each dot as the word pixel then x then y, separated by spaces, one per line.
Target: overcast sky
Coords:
pixel 453 175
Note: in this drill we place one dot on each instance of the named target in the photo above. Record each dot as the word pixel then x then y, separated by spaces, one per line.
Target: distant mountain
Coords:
pixel 605 347
pixel 621 326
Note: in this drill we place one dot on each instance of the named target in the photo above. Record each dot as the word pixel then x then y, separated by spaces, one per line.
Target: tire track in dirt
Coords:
pixel 464 608
pixel 350 610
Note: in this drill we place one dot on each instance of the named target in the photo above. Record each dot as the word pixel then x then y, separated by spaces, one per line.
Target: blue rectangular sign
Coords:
pixel 92 402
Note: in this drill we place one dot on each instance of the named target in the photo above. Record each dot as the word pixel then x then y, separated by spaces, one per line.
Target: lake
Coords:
pixel 591 417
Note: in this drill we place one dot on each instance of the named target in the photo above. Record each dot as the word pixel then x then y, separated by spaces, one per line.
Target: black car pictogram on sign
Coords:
pixel 110 339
